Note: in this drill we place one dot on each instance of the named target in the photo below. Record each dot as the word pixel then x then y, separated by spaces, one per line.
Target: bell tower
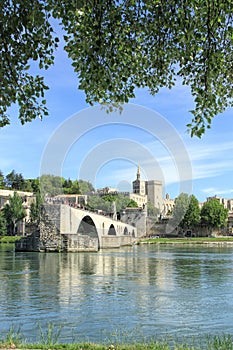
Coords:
pixel 138 184
pixel 138 174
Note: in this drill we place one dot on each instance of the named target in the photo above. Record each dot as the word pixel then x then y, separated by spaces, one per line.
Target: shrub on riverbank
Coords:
pixel 9 239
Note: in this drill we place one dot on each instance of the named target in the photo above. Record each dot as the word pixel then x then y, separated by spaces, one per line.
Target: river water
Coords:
pixel 140 291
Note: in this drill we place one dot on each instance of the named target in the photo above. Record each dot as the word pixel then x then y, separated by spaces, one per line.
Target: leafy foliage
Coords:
pixel 180 208
pixel 16 181
pixel 213 214
pixel 52 185
pixel 14 211
pixel 85 186
pixel 186 212
pixel 71 187
pixel 105 202
pixel 192 215
pixel 2 224
pixel 98 203
pixel 132 204
pixel 152 211
pixel 117 47
pixel 1 180
pixel 26 36
pixel 35 209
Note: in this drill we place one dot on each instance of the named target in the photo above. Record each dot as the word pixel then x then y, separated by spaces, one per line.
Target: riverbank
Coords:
pixel 192 240
pixel 223 342
pixel 9 239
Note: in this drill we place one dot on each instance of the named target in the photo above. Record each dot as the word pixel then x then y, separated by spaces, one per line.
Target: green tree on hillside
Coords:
pixel 98 203
pixel 213 214
pixel 19 183
pixel 71 187
pixel 85 186
pixel 66 185
pixel 31 185
pixel 117 47
pixel 50 185
pixel 14 212
pixel 16 181
pixel 10 179
pixel 75 187
pixel 105 202
pixel 2 224
pixel 35 185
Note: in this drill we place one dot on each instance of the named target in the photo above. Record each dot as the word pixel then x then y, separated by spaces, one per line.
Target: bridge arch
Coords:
pixel 87 227
pixel 112 230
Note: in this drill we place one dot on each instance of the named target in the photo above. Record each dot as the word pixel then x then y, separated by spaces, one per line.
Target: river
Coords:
pixel 140 291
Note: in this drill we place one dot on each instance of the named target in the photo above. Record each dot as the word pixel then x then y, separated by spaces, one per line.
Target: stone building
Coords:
pixel 154 193
pixel 148 191
pixel 27 199
pixel 107 190
pixel 228 203
pixel 139 186
pixel 139 199
pixel 75 200
pixel 168 205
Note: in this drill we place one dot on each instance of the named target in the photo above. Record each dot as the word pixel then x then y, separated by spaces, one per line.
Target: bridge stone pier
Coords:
pixel 64 228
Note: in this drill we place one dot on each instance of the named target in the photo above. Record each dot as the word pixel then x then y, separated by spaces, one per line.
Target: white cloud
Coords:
pixel 207 170
pixel 210 151
pixel 211 191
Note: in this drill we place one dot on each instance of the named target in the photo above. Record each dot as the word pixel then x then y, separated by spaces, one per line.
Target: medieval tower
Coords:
pixel 152 189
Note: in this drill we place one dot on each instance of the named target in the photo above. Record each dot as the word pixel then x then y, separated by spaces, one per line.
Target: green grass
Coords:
pixel 49 339
pixel 9 239
pixel 195 240
pixel 224 342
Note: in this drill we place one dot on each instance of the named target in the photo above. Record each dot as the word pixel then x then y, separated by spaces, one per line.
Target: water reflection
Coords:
pixel 157 289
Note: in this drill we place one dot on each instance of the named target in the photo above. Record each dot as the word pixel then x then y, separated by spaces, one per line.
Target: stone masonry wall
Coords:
pixel 48 237
pixel 136 217
pixel 80 243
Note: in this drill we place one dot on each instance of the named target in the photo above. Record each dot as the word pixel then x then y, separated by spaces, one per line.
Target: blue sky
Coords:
pixel 108 148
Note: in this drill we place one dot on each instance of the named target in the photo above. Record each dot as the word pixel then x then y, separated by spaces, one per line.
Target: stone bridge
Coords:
pixel 99 230
pixel 64 228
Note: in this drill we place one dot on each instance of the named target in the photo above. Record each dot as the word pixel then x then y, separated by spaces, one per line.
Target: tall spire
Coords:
pixel 138 173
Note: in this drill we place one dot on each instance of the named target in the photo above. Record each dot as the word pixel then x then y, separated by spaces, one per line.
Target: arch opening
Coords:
pixel 126 231
pixel 112 230
pixel 87 228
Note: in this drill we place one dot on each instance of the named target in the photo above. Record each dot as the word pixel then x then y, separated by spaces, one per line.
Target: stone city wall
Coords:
pixel 137 218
